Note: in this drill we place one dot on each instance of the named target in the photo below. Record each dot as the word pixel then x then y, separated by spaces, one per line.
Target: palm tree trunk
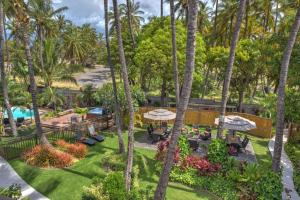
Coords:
pixel 205 82
pixel 281 92
pixel 128 172
pixel 241 99
pixel 3 75
pixel 112 70
pixel 215 24
pixel 161 8
pixel 174 51
pixel 41 49
pixel 230 65
pixel 129 19
pixel 6 42
pixel 39 131
pixel 276 17
pixel 184 99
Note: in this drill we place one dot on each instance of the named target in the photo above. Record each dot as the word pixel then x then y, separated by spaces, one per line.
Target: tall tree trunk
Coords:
pixel 112 71
pixel 6 43
pixel 276 17
pixel 163 93
pixel 161 8
pixel 128 172
pixel 281 92
pixel 174 51
pixel 241 99
pixel 184 99
pixel 41 49
pixel 214 39
pixel 230 65
pixel 3 75
pixel 205 82
pixel 129 19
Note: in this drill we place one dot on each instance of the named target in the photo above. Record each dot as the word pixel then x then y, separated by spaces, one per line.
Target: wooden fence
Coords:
pixel 207 118
pixel 14 148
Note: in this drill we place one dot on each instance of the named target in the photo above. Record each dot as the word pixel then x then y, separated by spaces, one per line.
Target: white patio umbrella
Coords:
pixel 160 115
pixel 237 123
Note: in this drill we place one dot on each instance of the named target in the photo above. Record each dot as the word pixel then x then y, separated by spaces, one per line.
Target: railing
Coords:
pixel 15 147
pixel 207 118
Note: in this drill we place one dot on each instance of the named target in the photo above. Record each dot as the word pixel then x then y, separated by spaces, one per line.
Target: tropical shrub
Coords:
pixel 114 186
pixel 269 186
pixel 217 151
pixel 185 176
pixel 47 157
pixel 13 191
pixel 94 192
pixel 184 146
pixel 202 165
pixel 77 150
pixel 113 161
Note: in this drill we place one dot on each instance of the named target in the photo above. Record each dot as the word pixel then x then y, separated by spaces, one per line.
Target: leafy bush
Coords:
pixel 202 165
pixel 41 156
pixel 184 146
pixel 217 151
pixel 185 176
pixel 77 150
pixel 269 186
pixel 94 192
pixel 114 185
pixel 113 161
pixel 13 191
pixel 80 111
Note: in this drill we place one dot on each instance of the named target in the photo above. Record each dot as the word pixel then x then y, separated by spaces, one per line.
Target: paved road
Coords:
pixel 97 76
pixel 8 176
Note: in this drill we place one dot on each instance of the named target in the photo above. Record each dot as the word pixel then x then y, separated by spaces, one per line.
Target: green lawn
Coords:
pixel 67 183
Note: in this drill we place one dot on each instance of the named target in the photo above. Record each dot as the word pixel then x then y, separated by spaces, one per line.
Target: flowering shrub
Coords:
pixel 203 166
pixel 46 157
pixel 162 149
pixel 77 150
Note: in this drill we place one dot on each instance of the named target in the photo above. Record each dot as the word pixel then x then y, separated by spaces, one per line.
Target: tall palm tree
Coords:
pixel 23 22
pixel 174 51
pixel 161 8
pixel 129 6
pixel 281 92
pixel 3 75
pixel 130 147
pixel 112 71
pixel 228 74
pixel 216 4
pixel 184 99
pixel 42 12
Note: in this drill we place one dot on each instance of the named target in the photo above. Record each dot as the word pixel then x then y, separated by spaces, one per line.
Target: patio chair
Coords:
pixel 244 143
pixel 20 121
pixel 94 135
pixel 194 144
pixel 6 121
pixel 87 141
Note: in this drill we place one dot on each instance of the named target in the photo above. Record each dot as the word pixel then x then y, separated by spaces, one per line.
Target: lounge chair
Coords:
pixel 84 140
pixel 20 121
pixel 94 135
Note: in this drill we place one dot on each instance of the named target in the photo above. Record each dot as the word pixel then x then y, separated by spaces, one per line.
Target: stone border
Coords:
pixel 289 191
pixel 9 176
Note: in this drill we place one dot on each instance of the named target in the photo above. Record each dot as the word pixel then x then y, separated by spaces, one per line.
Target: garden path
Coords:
pixel 289 191
pixel 8 176
pixel 97 76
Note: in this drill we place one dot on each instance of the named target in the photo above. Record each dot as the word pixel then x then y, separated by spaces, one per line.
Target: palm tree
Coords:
pixel 112 71
pixel 129 6
pixel 281 92
pixel 161 8
pixel 23 22
pixel 215 3
pixel 184 99
pixel 42 12
pixel 230 64
pixel 174 51
pixel 3 75
pixel 130 147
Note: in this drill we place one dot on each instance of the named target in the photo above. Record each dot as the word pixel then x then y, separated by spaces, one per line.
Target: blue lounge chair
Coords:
pixel 84 140
pixel 94 135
